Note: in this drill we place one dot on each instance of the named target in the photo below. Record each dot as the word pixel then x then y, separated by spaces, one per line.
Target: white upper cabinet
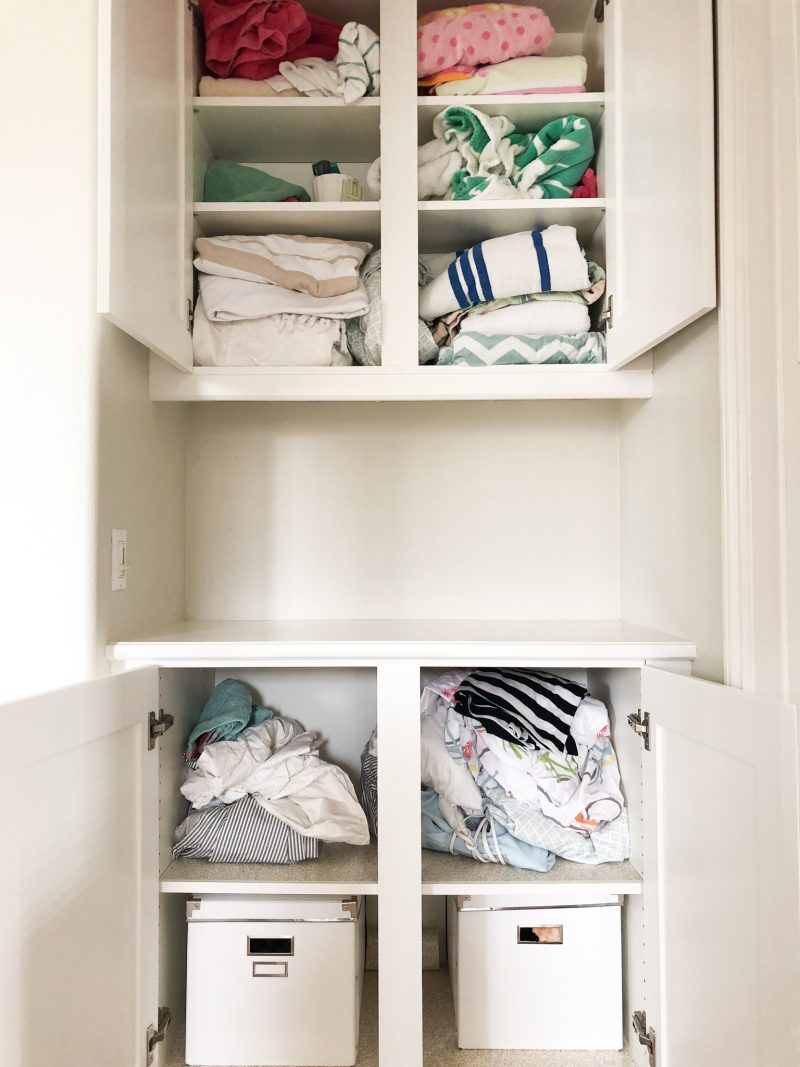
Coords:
pixel 143 237
pixel 83 841
pixel 720 867
pixel 660 170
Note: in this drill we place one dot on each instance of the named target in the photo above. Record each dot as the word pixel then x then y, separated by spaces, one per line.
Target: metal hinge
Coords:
pixel 646 1037
pixel 156 1034
pixel 350 907
pixel 600 10
pixel 189 315
pixel 157 726
pixel 607 316
pixel 640 722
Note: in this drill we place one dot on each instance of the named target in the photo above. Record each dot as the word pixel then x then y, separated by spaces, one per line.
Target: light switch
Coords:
pixel 119 559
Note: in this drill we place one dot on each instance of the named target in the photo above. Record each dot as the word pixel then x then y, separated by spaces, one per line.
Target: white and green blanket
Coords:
pixel 486 350
pixel 499 163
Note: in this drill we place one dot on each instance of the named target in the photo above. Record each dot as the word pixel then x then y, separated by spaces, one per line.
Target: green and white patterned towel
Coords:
pixel 485 350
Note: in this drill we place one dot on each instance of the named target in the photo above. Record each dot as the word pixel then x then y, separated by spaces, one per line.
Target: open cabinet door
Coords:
pixel 81 853
pixel 660 170
pixel 721 874
pixel 142 208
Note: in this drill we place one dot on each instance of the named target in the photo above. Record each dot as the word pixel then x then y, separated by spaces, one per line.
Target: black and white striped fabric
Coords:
pixel 241 832
pixel 523 706
pixel 369 788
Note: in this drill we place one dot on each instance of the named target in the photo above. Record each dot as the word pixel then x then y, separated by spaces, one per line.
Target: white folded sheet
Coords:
pixel 516 75
pixel 278 763
pixel 273 341
pixel 229 299
pixel 534 318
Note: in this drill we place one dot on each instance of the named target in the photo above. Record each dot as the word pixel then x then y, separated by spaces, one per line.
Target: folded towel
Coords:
pixel 242 87
pixel 533 318
pixel 228 182
pixel 231 299
pixel 319 266
pixel 270 341
pixel 459 73
pixel 227 712
pixel 529 262
pixel 484 350
pixel 550 73
pixel 359 61
pixel 481 33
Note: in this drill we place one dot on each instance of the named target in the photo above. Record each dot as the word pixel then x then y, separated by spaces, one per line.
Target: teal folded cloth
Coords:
pixel 228 182
pixel 229 710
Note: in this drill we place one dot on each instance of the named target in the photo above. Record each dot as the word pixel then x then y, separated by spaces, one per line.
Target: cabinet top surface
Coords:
pixel 612 642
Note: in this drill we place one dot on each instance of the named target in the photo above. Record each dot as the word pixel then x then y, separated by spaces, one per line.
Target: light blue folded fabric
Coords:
pixel 487 840
pixel 229 710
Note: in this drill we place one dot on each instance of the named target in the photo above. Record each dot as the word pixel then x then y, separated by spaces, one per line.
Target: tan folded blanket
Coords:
pixel 240 87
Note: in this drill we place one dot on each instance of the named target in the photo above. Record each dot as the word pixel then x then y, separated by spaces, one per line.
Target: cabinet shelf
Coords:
pixel 611 643
pixel 446 875
pixel 546 382
pixel 445 225
pixel 339 870
pixel 353 221
pixel 292 130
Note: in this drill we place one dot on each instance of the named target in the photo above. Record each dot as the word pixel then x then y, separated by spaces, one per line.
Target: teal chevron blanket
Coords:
pixel 482 350
pixel 500 163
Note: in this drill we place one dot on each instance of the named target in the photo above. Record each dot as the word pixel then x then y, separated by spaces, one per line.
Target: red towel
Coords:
pixel 587 188
pixel 251 38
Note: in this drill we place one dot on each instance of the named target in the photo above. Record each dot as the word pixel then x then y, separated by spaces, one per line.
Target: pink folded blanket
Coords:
pixel 480 34
pixel 251 38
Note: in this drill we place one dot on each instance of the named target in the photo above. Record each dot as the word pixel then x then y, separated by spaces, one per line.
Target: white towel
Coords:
pixel 274 341
pixel 437 162
pixel 535 261
pixel 359 61
pixel 231 299
pixel 311 77
pixel 535 318
pixel 516 75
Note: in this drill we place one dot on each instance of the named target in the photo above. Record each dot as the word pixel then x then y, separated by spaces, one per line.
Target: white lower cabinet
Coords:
pixel 695 937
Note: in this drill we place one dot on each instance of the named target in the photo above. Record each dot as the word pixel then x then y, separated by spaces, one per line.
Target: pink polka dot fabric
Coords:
pixel 480 34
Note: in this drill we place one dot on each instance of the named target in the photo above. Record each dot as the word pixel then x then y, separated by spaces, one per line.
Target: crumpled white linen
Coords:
pixel 231 299
pixel 437 162
pixel 278 763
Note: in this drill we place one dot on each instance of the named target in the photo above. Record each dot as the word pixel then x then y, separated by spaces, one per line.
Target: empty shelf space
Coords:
pixel 446 875
pixel 586 643
pixel 554 382
pixel 356 221
pixel 448 224
pixel 340 869
pixel 253 130
pixel 528 113
pixel 441 1050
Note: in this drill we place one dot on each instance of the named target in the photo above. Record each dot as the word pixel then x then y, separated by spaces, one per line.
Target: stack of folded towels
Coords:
pixel 276 48
pixel 490 49
pixel 258 790
pixel 476 156
pixel 523 298
pixel 517 767
pixel 277 300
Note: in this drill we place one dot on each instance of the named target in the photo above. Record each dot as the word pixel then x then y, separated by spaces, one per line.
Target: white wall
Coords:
pixel 670 497
pixel 503 510
pixel 77 437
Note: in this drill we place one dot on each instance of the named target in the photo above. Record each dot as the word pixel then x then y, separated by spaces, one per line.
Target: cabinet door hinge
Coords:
pixel 157 726
pixel 189 315
pixel 640 722
pixel 156 1034
pixel 607 316
pixel 646 1037
pixel 600 10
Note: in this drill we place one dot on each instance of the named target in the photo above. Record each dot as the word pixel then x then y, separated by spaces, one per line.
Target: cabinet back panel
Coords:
pixel 503 510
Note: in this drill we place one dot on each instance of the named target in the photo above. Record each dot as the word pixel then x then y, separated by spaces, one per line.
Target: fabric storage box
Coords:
pixel 536 975
pixel 274 981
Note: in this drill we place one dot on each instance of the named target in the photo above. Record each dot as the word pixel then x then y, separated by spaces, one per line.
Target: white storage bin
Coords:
pixel 536 976
pixel 274 981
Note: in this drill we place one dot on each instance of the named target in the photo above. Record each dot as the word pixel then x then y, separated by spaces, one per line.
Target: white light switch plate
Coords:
pixel 119 559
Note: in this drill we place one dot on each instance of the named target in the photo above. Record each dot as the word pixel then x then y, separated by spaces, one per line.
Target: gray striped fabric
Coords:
pixel 242 832
pixel 369 788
